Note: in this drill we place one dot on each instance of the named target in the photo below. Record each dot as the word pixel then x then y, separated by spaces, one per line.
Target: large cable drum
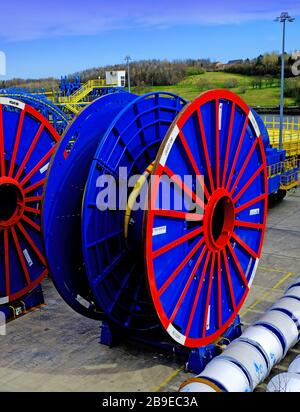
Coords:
pixel 200 266
pixel 155 212
pixel 114 264
pixel 27 142
pixel 62 201
pixel 48 109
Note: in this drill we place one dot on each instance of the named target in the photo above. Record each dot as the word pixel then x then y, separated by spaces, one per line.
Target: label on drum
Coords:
pixel 83 301
pixel 220 115
pixel 161 230
pixel 254 124
pixel 177 336
pixel 4 300
pixel 27 257
pixel 254 212
pixel 44 168
pixel 208 318
pixel 253 273
pixel 12 102
pixel 169 145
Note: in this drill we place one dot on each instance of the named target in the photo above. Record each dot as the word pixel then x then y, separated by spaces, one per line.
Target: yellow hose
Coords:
pixel 133 196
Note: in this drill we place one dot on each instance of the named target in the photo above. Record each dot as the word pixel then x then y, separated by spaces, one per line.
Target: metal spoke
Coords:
pixel 177 242
pixel 205 149
pixel 29 152
pixel 249 183
pixel 228 144
pixel 180 267
pixel 193 163
pixel 20 255
pixel 17 142
pixel 207 304
pixel 183 186
pixel 195 304
pixel 237 153
pixel 245 164
pixel 188 284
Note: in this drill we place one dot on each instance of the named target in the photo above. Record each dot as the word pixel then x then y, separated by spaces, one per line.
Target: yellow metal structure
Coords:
pixel 81 93
pixel 291 144
pixel 75 101
pixel 291 134
pixel 288 182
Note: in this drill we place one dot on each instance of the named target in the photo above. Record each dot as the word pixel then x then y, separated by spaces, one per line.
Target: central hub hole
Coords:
pixel 9 198
pixel 218 219
pixel 222 220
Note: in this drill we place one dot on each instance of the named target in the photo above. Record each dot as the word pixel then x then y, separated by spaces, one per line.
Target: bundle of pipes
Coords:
pixel 248 360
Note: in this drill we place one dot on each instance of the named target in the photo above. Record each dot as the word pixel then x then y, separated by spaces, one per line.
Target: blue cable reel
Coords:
pixel 199 266
pixel 27 142
pixel 68 173
pixel 62 200
pixel 188 273
pixel 114 266
pixel 49 110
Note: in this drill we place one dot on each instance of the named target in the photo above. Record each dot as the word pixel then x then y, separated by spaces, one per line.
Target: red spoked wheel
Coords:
pixel 207 216
pixel 27 142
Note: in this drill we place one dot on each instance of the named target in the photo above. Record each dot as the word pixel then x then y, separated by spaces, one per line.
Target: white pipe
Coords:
pixel 284 382
pixel 288 381
pixel 295 366
pixel 217 372
pixel 268 341
pixel 251 358
pixel 247 361
pixel 283 325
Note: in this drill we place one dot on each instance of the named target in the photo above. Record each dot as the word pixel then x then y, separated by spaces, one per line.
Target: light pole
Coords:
pixel 283 18
pixel 128 60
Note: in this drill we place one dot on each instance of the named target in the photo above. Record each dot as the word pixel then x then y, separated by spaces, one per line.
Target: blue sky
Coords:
pixel 62 36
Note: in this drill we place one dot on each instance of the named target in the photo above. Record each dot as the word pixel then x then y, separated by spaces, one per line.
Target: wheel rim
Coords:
pixel 27 142
pixel 219 245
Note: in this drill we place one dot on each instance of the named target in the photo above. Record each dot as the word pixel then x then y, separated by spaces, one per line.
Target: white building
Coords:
pixel 116 78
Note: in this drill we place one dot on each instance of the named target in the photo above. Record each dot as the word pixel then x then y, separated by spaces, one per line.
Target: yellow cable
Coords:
pixel 133 196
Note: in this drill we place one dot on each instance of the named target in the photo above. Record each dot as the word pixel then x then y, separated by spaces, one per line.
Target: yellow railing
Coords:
pixel 275 169
pixel 81 93
pixel 291 134
pixel 286 169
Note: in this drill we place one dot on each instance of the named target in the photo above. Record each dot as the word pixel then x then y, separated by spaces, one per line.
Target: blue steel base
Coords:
pixel 20 307
pixel 195 359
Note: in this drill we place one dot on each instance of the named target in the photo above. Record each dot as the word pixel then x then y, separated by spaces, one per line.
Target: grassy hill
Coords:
pixel 192 86
pixel 265 93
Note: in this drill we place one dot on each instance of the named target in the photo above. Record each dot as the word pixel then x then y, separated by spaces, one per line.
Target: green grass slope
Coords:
pixel 242 85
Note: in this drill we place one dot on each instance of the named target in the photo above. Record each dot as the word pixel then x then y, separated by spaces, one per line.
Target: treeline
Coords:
pixel 292 88
pixel 268 64
pixel 49 83
pixel 143 72
pixel 154 72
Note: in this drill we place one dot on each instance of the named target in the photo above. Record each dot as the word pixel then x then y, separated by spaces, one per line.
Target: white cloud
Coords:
pixel 34 19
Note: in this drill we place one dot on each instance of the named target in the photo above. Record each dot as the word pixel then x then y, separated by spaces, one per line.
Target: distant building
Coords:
pixel 219 65
pixel 233 62
pixel 116 78
pixel 296 55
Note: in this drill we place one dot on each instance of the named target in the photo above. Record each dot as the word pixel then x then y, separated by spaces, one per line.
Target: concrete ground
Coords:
pixel 54 349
